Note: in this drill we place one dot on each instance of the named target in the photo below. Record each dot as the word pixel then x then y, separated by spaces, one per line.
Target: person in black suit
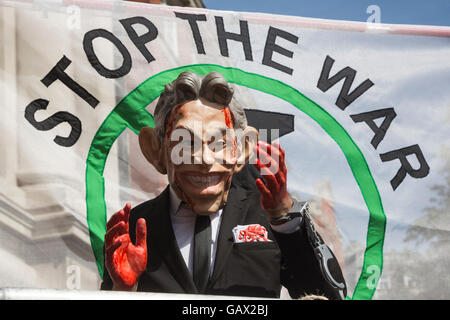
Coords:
pixel 220 227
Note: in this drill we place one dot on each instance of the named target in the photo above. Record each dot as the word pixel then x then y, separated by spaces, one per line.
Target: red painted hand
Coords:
pixel 124 260
pixel 275 199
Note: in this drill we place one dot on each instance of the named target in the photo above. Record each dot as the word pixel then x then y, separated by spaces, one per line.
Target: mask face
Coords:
pixel 200 149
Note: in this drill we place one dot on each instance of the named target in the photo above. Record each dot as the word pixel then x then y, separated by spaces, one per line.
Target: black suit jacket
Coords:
pixel 242 269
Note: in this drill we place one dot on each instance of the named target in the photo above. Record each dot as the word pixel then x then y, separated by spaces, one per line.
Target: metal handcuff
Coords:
pixel 322 251
pixel 301 209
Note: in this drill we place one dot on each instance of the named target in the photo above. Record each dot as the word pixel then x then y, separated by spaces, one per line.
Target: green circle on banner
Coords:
pixel 131 113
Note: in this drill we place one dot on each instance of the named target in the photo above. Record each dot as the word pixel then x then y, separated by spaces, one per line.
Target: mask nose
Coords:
pixel 208 155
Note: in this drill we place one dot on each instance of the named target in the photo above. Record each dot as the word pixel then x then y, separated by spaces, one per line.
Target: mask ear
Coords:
pixel 246 147
pixel 152 150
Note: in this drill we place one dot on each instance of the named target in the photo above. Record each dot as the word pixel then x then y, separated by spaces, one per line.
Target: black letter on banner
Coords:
pixel 243 37
pixel 271 47
pixel 140 41
pixel 58 73
pixel 344 98
pixel 406 168
pixel 53 121
pixel 93 59
pixel 192 19
pixel 380 131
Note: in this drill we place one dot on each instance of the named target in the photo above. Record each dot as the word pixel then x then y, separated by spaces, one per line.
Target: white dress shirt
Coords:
pixel 183 224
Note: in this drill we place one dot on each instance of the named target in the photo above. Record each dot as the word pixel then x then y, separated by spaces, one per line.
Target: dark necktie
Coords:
pixel 202 252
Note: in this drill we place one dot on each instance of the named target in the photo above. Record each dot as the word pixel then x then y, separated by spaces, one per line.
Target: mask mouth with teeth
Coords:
pixel 205 193
pixel 203 182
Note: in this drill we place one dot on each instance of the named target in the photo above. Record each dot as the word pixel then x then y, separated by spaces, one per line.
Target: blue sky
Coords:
pixel 422 12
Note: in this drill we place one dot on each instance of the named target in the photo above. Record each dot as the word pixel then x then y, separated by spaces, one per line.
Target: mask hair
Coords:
pixel 215 89
pixel 190 86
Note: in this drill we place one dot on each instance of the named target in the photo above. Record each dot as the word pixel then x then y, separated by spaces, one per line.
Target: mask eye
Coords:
pixel 217 145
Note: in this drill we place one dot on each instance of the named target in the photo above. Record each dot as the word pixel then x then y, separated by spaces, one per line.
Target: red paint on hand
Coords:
pixel 124 260
pixel 275 199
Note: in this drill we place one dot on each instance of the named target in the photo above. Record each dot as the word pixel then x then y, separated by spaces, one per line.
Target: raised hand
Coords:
pixel 124 260
pixel 275 199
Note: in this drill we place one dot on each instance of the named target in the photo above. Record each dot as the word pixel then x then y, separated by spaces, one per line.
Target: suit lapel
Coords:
pixel 164 236
pixel 234 213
